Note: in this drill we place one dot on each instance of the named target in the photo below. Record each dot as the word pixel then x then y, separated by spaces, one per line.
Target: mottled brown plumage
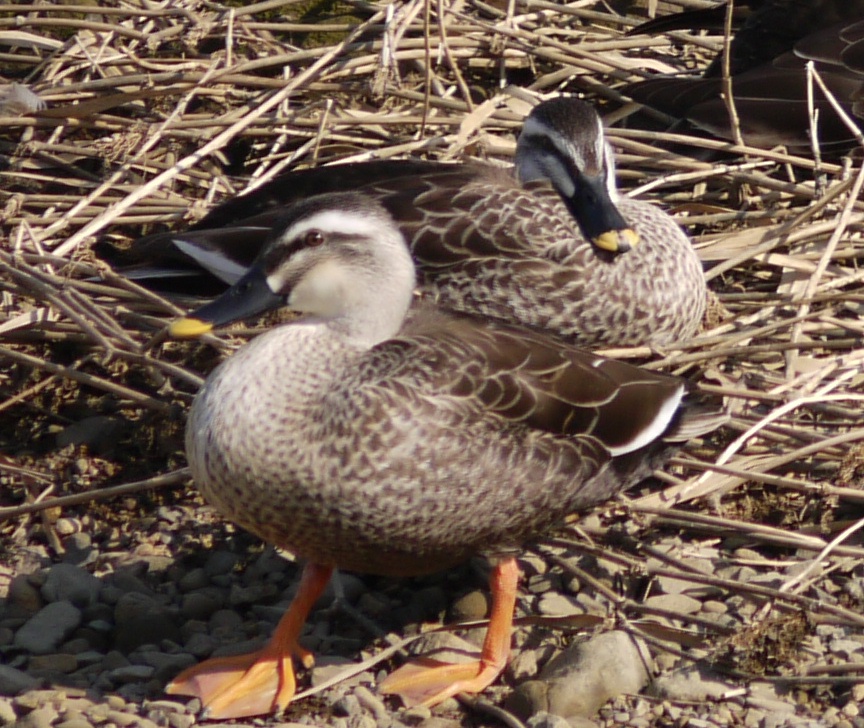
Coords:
pixel 359 440
pixel 486 244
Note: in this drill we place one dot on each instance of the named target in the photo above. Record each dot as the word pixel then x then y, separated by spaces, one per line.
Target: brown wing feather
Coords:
pixel 524 379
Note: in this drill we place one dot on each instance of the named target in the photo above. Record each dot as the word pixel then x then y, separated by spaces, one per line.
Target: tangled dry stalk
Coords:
pixel 156 113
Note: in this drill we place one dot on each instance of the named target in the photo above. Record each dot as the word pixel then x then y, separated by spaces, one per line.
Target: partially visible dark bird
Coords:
pixel 545 245
pixel 767 63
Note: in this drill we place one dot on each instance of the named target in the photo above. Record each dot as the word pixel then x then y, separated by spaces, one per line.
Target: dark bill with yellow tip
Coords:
pixel 617 241
pixel 599 219
pixel 189 328
pixel 249 296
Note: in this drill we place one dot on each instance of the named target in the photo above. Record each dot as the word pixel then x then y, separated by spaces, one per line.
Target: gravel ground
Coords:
pixel 90 639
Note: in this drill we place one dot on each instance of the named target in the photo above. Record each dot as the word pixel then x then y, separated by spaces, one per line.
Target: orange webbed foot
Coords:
pixel 259 682
pixel 427 681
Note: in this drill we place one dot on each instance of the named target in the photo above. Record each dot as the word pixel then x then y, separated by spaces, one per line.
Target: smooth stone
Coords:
pixel 225 620
pixel 7 713
pixel 199 605
pixel 71 583
pixel 46 630
pixel 13 681
pixel 444 646
pixel 60 662
pixel 220 562
pixel 330 667
pixel 559 605
pixel 200 645
pixel 180 720
pixel 690 683
pixel 74 723
pixel 438 722
pixel 193 580
pixel 167 665
pixel 372 703
pixel 674 603
pixel 131 673
pixel 23 597
pixel 41 717
pixel 547 720
pixel 469 607
pixel 348 706
pixel 576 683
pixel 523 666
pixel 141 620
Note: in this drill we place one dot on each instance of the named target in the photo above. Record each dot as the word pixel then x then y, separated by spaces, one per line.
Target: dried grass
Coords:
pixel 147 107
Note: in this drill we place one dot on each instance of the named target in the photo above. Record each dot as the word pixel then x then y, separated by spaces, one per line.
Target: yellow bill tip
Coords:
pixel 189 328
pixel 617 241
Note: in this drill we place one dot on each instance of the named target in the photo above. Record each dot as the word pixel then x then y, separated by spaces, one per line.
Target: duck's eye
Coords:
pixel 314 238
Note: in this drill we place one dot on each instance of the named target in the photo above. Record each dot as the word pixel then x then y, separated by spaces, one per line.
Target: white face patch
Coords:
pixel 325 290
pixel 337 221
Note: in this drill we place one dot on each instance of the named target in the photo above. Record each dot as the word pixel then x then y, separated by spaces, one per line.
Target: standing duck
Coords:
pixel 364 437
pixel 550 250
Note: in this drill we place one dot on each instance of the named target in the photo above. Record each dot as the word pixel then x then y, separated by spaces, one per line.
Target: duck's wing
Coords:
pixel 519 378
pixel 447 212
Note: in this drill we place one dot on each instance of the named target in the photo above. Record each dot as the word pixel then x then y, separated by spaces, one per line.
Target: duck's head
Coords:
pixel 563 141
pixel 336 258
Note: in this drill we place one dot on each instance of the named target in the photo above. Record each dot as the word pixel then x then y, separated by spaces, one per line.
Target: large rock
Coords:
pixel 576 683
pixel 66 582
pixel 46 630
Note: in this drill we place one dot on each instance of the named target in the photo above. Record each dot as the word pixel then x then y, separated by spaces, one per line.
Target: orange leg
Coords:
pixel 428 681
pixel 260 682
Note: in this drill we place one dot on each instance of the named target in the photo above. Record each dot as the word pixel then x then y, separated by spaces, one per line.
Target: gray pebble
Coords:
pixel 674 603
pixel 347 705
pixel 372 703
pixel 58 662
pixel 74 723
pixel 180 720
pixel 199 605
pixel 754 718
pixel 40 718
pixel 131 673
pixel 547 720
pixel 7 712
pixel 470 606
pixel 438 722
pixel 220 562
pixel 23 597
pixel 226 620
pixel 194 579
pixel 141 620
pixel 46 630
pixel 200 645
pixel 690 683
pixel 331 667
pixel 71 583
pixel 14 681
pixel 559 605
pixel 582 678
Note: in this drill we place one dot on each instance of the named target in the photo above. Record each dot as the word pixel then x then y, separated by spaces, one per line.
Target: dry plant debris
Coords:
pixel 155 111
